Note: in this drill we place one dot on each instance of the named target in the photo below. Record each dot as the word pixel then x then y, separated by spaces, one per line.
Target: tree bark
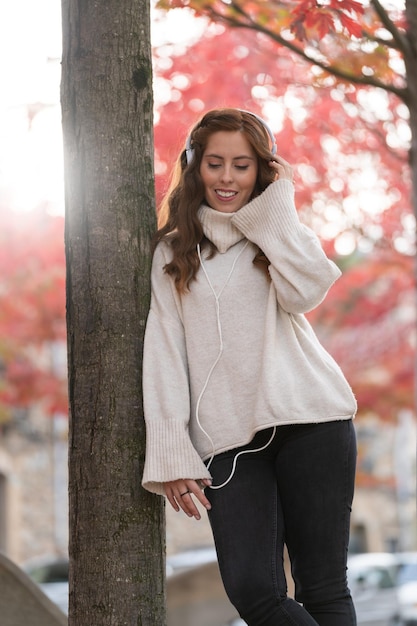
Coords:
pixel 116 528
pixel 410 60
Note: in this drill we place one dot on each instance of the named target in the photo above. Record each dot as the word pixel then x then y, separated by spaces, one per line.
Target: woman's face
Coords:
pixel 229 168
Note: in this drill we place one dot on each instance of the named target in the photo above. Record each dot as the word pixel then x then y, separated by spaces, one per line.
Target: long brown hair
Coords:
pixel 178 215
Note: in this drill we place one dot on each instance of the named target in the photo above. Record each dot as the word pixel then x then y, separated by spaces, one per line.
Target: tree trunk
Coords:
pixel 116 528
pixel 410 60
pixel 411 71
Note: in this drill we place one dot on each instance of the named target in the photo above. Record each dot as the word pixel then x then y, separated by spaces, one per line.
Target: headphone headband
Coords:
pixel 189 151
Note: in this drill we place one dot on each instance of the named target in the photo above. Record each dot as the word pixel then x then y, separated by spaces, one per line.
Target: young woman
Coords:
pixel 245 410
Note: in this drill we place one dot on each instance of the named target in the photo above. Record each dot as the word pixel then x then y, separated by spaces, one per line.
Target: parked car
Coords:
pixel 407 588
pixel 51 574
pixel 373 582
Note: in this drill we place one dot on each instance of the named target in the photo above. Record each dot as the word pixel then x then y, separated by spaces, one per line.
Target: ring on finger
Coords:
pixel 185 493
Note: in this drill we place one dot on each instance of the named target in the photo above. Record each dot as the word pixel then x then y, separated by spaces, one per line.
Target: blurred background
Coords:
pixel 349 148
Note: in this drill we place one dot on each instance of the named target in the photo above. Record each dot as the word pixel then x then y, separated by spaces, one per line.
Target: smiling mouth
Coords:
pixel 226 195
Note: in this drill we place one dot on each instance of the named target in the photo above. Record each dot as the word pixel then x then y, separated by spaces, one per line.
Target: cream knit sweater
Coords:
pixel 236 355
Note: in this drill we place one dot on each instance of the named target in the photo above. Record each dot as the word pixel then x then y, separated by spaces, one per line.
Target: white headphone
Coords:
pixel 189 151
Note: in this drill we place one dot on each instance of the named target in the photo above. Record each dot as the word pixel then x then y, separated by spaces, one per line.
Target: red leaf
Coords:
pixel 353 27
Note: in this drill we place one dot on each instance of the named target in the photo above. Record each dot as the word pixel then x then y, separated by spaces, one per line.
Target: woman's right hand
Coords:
pixel 180 495
pixel 283 170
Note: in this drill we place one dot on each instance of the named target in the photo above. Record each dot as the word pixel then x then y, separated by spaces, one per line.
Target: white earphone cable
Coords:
pixel 219 330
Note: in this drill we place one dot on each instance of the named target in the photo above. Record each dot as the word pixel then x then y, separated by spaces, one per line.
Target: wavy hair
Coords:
pixel 178 221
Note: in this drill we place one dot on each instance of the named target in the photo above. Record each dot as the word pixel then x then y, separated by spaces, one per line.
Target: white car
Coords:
pixel 372 580
pixel 384 589
pixel 407 589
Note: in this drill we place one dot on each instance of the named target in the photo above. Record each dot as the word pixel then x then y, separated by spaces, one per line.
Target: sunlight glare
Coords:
pixel 31 164
pixel 345 243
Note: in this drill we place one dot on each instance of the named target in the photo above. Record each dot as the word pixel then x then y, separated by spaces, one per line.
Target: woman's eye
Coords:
pixel 215 166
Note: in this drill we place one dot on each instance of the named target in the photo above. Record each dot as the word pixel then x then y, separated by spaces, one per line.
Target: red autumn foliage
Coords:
pixel 32 311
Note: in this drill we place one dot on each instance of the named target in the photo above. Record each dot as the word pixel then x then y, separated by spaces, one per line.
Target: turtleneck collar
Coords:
pixel 218 228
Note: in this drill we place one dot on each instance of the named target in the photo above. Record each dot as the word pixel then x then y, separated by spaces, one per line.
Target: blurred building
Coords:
pixel 384 510
pixel 33 486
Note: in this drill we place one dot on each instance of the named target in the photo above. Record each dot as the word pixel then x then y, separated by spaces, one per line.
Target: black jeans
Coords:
pixel 297 491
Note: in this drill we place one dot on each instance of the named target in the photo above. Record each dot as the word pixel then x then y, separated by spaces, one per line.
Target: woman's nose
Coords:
pixel 227 173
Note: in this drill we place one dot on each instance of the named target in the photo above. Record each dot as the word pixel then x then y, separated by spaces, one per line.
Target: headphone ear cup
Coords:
pixel 189 154
pixel 189 151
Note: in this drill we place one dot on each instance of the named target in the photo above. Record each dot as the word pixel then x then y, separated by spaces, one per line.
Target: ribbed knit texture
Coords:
pixel 277 202
pixel 269 368
pixel 219 228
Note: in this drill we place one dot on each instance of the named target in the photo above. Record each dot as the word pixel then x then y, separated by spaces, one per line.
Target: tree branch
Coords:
pixel 401 93
pixel 399 38
pixel 389 43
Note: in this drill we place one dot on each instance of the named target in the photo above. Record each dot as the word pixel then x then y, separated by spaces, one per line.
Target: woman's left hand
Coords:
pixel 180 495
pixel 282 168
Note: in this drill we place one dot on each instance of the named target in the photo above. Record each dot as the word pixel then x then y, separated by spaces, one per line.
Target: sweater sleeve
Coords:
pixel 299 268
pixel 170 454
